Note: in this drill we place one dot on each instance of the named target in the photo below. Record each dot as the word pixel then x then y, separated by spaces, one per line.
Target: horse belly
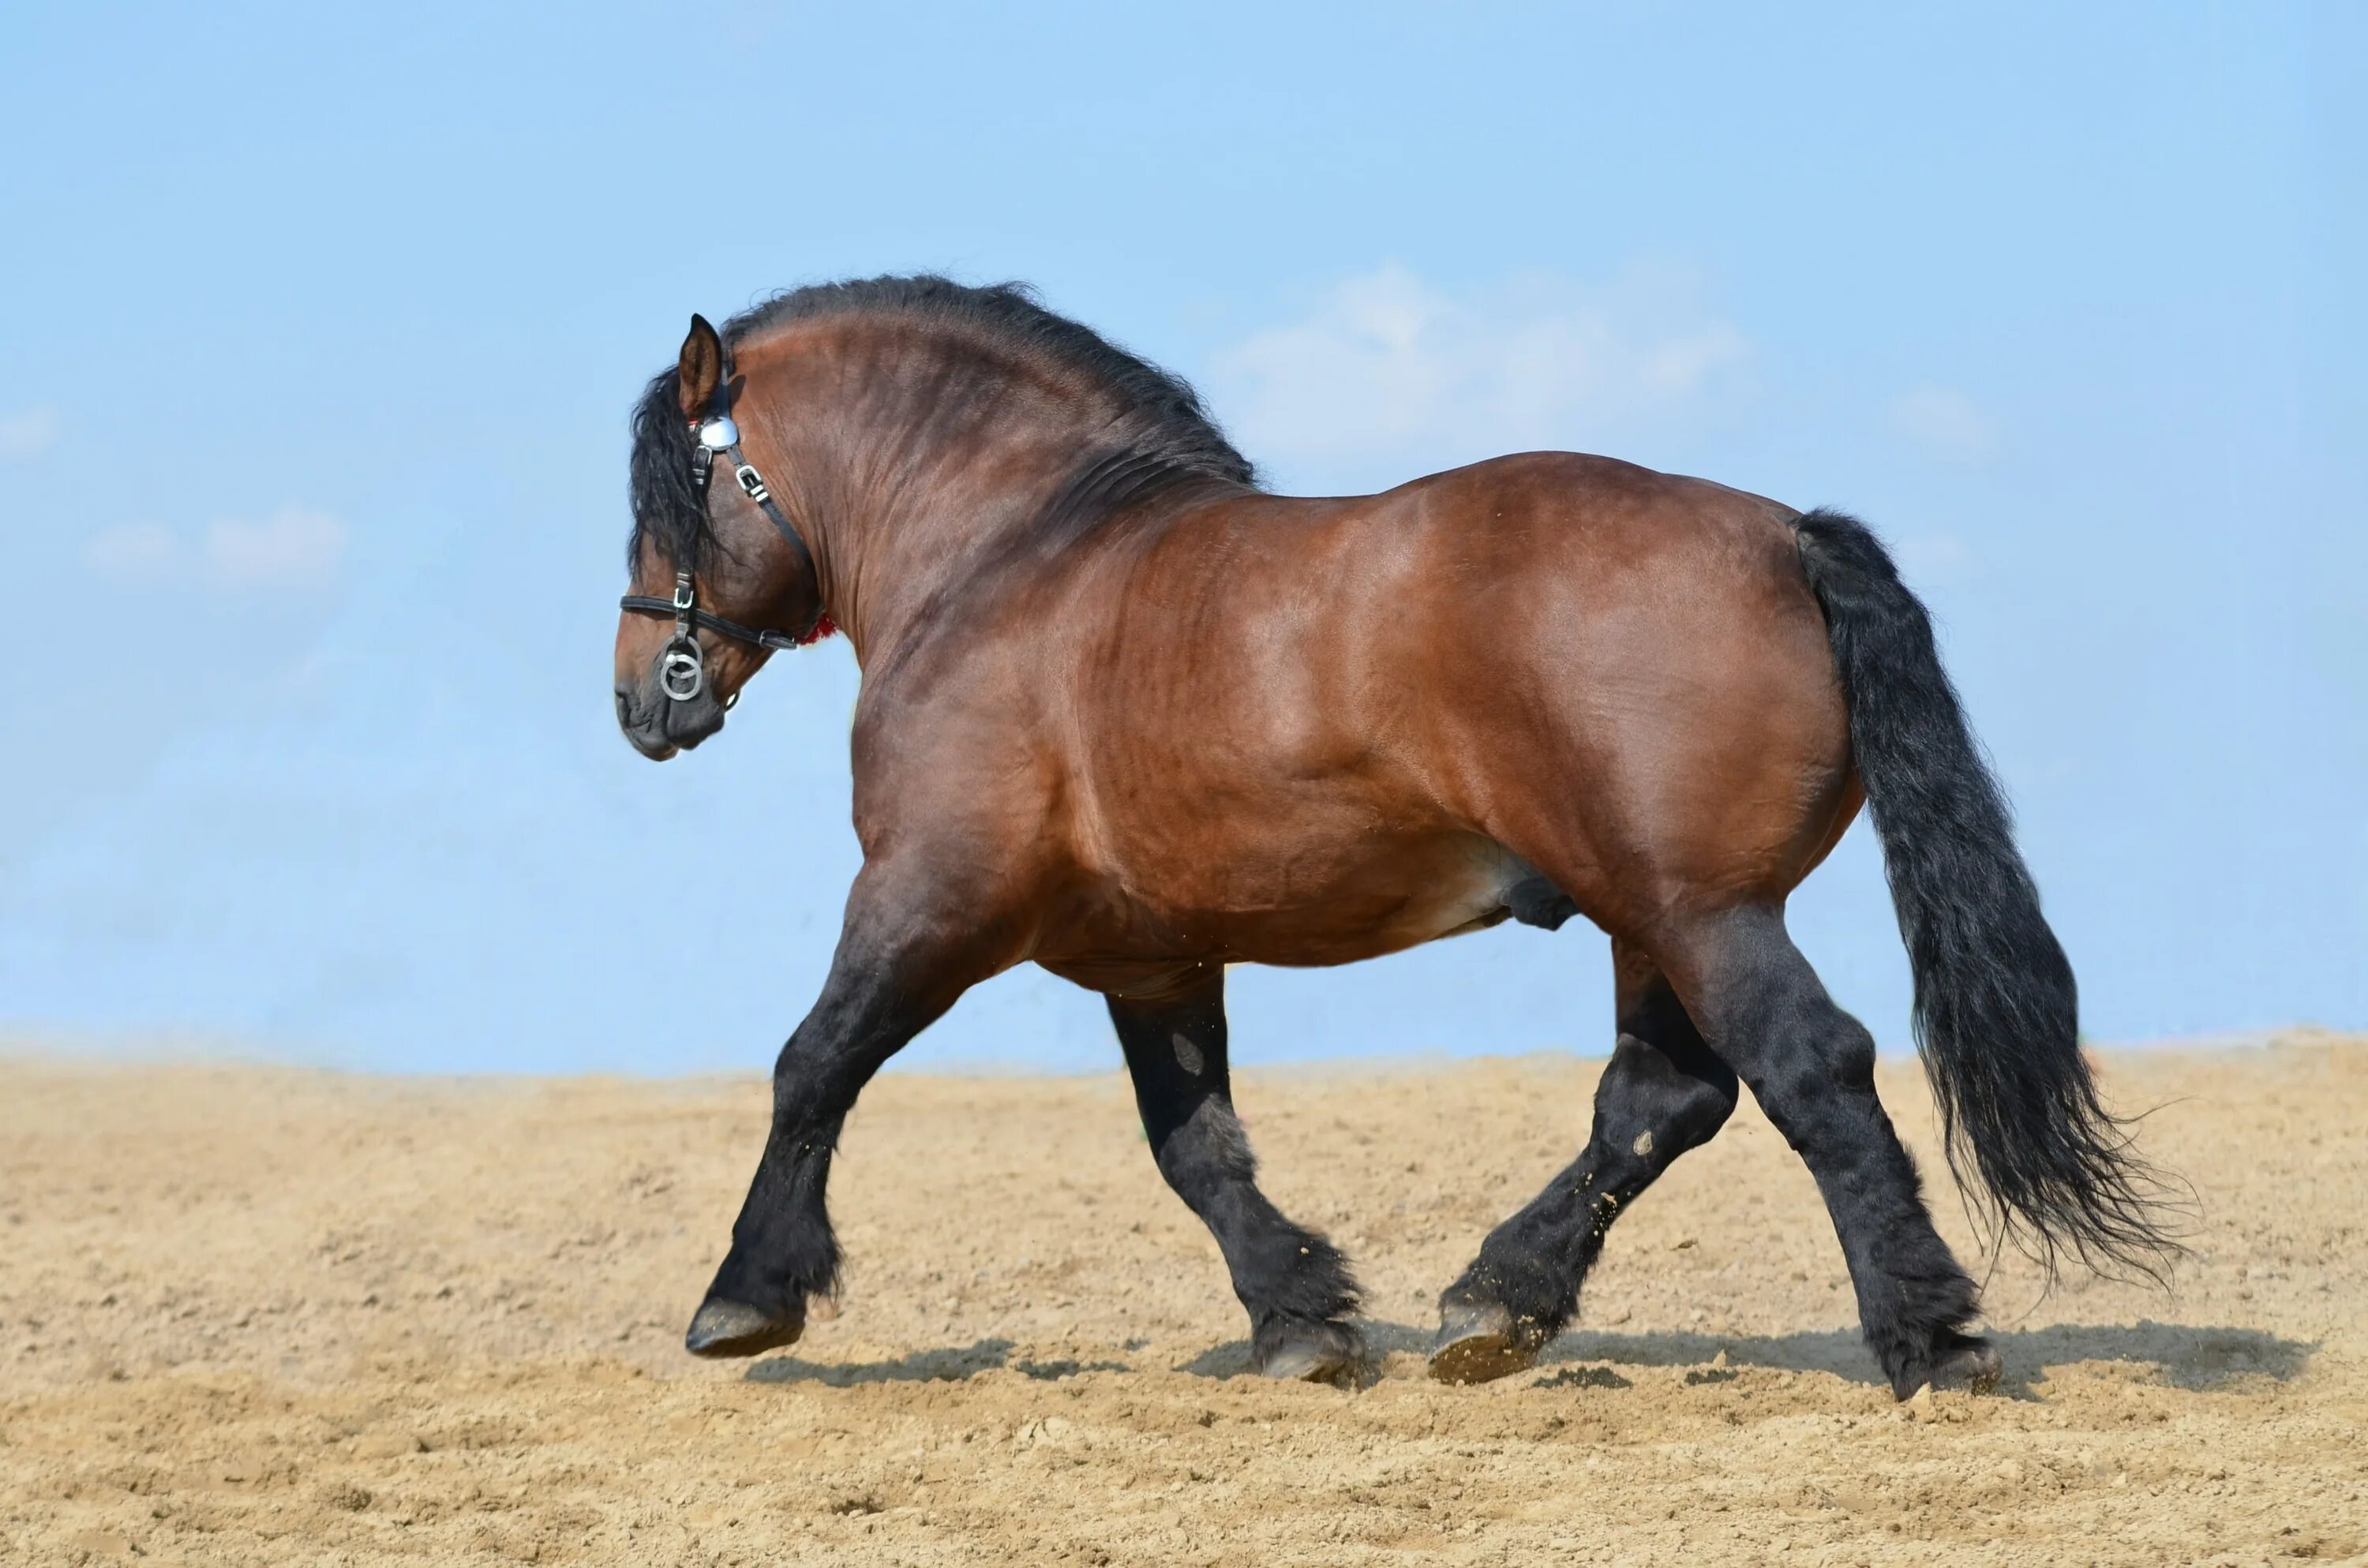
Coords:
pixel 1363 902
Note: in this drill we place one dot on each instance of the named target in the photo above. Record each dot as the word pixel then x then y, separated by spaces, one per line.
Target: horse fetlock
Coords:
pixel 1296 1274
pixel 1518 1274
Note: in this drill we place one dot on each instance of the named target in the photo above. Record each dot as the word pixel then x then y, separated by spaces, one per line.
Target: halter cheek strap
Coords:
pixel 718 433
pixel 682 668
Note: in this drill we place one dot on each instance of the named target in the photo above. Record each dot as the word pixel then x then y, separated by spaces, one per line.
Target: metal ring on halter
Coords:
pixel 682 674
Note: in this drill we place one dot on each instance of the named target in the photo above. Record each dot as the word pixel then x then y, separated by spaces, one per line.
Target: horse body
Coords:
pixel 1233 752
pixel 1132 717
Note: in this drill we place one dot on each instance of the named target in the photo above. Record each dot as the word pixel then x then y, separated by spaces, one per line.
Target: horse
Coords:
pixel 1129 716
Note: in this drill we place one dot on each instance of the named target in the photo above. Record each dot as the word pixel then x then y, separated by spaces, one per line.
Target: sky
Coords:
pixel 319 327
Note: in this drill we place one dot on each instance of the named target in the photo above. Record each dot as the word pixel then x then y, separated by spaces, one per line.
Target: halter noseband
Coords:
pixel 682 667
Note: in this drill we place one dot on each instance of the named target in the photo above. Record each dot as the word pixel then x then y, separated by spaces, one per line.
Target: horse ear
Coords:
pixel 701 368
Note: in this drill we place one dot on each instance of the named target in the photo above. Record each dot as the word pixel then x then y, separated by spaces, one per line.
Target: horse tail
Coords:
pixel 1996 1013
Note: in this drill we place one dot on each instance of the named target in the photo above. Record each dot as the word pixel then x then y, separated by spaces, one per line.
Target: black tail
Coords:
pixel 1996 1011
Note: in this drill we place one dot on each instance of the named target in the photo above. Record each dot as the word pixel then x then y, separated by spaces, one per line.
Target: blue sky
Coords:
pixel 320 325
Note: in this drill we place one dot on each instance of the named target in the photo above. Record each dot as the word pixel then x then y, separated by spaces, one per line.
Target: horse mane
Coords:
pixel 1165 434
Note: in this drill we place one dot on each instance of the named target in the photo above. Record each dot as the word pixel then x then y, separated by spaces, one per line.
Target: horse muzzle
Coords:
pixel 657 721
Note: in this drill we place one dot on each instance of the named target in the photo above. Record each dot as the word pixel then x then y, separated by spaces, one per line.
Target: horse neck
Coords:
pixel 916 464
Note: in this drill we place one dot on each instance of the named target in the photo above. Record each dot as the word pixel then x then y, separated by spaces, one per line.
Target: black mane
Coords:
pixel 1168 435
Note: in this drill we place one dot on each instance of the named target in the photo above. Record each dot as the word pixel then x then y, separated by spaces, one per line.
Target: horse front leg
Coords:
pixel 1294 1283
pixel 901 962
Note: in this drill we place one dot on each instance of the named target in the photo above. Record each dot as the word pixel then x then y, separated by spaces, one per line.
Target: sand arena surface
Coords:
pixel 258 1315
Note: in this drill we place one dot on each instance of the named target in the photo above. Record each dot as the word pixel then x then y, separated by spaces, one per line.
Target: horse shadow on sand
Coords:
pixel 948 1365
pixel 2204 1359
pixel 2197 1358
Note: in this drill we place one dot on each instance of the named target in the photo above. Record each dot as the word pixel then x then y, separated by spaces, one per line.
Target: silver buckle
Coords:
pixel 752 481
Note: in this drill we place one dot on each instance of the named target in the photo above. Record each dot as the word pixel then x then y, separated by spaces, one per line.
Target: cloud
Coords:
pixel 294 548
pixel 1945 423
pixel 28 434
pixel 1389 368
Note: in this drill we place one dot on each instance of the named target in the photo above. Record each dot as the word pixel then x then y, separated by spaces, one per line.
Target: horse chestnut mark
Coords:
pixel 1130 717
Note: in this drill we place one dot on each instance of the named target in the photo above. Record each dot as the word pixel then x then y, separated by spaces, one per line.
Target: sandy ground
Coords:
pixel 262 1316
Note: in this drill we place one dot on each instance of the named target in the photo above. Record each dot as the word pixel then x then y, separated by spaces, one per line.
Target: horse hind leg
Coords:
pixel 1663 1094
pixel 1294 1283
pixel 1811 1066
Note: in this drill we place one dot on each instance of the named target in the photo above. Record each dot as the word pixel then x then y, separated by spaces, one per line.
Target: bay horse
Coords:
pixel 1129 716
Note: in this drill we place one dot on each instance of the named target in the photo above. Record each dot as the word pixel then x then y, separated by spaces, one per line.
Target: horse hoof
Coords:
pixel 1975 1366
pixel 1477 1344
pixel 1311 1353
pixel 722 1329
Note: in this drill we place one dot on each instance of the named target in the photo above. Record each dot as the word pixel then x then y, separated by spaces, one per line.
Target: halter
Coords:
pixel 682 668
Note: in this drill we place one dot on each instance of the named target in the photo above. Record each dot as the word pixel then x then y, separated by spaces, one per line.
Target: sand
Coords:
pixel 262 1315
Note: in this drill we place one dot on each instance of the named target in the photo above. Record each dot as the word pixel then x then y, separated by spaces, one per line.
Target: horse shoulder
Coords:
pixel 953 760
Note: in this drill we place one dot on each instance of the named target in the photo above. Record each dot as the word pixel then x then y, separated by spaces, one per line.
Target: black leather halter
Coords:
pixel 682 667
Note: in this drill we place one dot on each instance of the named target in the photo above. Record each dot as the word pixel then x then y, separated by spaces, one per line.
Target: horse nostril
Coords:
pixel 624 708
